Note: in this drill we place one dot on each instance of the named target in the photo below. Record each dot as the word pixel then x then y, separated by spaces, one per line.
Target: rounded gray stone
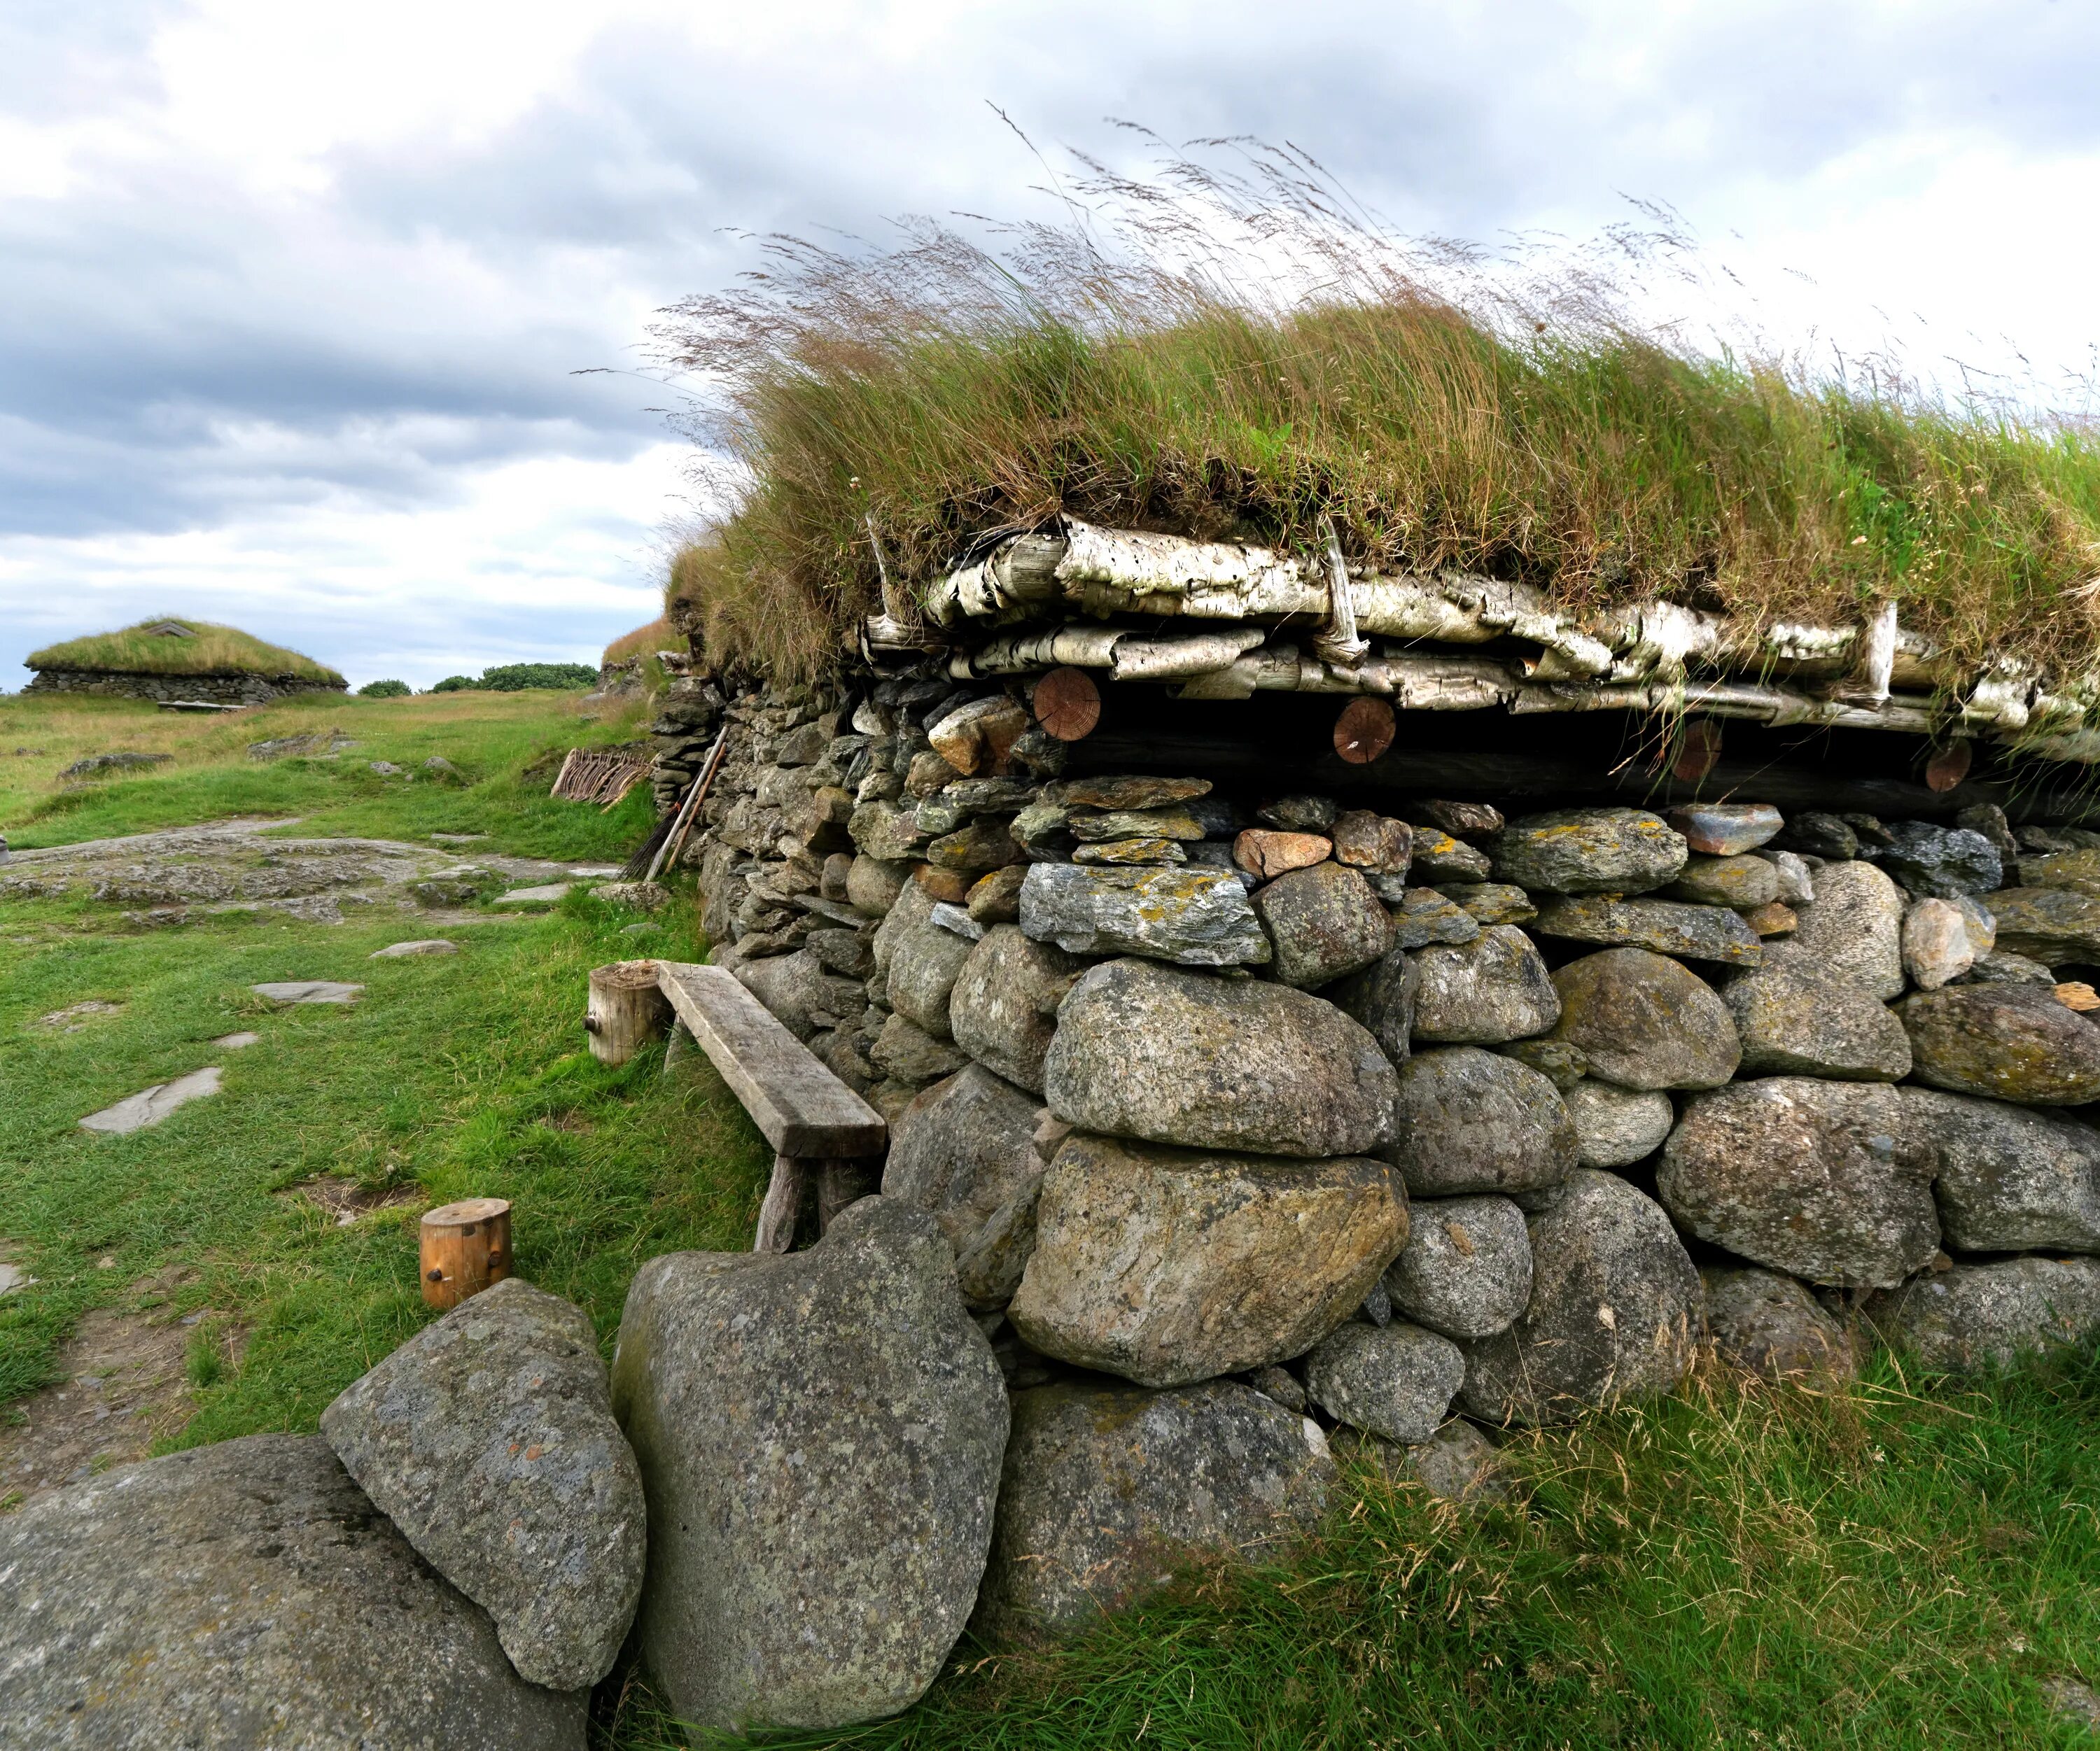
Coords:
pixel 1481 993
pixel 819 1434
pixel 1393 1381
pixel 488 1439
pixel 923 966
pixel 1768 1323
pixel 1617 1126
pixel 1589 851
pixel 1153 1052
pixel 874 884
pixel 1794 1022
pixel 1467 1122
pixel 2008 1179
pixel 1852 934
pixel 1106 1490
pixel 1324 922
pixel 244 1594
pixel 1941 862
pixel 1382 997
pixel 1003 1009
pixel 1820 1179
pixel 1740 881
pixel 1466 1270
pixel 1613 1313
pixel 960 1150
pixel 1993 1314
pixel 2005 1042
pixel 1644 1022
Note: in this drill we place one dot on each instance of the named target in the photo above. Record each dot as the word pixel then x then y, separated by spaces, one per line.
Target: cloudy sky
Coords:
pixel 292 297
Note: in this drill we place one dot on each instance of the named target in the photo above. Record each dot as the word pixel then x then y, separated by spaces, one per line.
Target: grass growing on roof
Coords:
pixel 204 648
pixel 1152 366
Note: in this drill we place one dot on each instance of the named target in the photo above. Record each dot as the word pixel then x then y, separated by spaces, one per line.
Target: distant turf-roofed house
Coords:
pixel 169 660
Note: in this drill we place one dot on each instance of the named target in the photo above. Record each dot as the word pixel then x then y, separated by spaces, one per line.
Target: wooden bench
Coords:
pixel 826 1139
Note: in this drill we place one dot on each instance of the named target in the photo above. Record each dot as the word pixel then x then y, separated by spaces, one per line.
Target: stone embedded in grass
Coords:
pixel 1193 917
pixel 250 1586
pixel 1768 1323
pixel 1395 1381
pixel 1588 851
pixel 1466 1270
pixel 308 991
pixel 1105 1489
pixel 149 1106
pixel 546 894
pixel 1168 1266
pixel 1467 1122
pixel 488 1439
pixel 422 946
pixel 820 1434
pixel 1791 1023
pixel 2005 1042
pixel 1820 1180
pixel 2008 1179
pixel 1991 1314
pixel 237 1042
pixel 1644 1022
pixel 1480 993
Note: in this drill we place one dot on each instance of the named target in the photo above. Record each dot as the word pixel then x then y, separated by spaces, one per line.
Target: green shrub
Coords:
pixel 514 677
pixel 384 689
pixel 455 684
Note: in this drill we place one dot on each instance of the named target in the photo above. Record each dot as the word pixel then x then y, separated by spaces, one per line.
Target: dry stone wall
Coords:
pixel 1255 1119
pixel 214 690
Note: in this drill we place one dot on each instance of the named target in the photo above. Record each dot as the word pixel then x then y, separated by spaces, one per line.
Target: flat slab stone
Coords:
pixel 149 1106
pixel 1667 927
pixel 1193 917
pixel 424 946
pixel 237 1042
pixel 546 895
pixel 308 991
pixel 1588 851
pixel 2052 923
pixel 1721 830
pixel 2006 1042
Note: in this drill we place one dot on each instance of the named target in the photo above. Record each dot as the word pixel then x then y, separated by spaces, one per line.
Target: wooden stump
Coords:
pixel 625 1010
pixel 1365 730
pixel 465 1247
pixel 780 1214
pixel 1067 703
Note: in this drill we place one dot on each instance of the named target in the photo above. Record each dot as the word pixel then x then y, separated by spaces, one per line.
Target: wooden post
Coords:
pixel 777 1216
pixel 465 1247
pixel 626 1010
pixel 1067 703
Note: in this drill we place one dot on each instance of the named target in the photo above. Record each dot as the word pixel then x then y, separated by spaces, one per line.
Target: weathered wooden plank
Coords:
pixel 799 1105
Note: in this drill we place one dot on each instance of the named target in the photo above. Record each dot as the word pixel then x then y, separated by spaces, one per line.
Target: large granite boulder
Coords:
pixel 1167 1266
pixel 1326 923
pixel 246 1594
pixel 1991 1314
pixel 1467 1122
pixel 1667 927
pixel 2008 1179
pixel 1940 862
pixel 1480 993
pixel 1644 1021
pixel 1193 917
pixel 1382 997
pixel 1466 1270
pixel 1793 1022
pixel 1002 1007
pixel 924 963
pixel 2007 1041
pixel 488 1439
pixel 1853 932
pixel 2050 924
pixel 1613 1313
pixel 1589 851
pixel 1816 1178
pixel 1769 1324
pixel 1617 1126
pixel 820 1434
pixel 1394 1381
pixel 1107 1488
pixel 961 1150
pixel 1145 1051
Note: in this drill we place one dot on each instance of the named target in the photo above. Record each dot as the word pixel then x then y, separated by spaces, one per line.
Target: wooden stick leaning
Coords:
pixel 683 825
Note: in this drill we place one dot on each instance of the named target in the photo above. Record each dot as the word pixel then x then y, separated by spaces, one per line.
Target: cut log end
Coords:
pixel 464 1247
pixel 1699 752
pixel 1364 731
pixel 625 1010
pixel 1068 704
pixel 1949 765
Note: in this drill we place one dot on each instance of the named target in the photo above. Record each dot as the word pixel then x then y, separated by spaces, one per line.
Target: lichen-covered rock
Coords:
pixel 1324 922
pixel 820 1436
pixel 2077 871
pixel 1107 1488
pixel 1117 853
pixel 1852 934
pixel 1423 916
pixel 2052 925
pixel 1152 1052
pixel 1193 917
pixel 1940 862
pixel 884 830
pixel 1722 829
pixel 1617 1126
pixel 1589 851
pixel 1437 856
pixel 1613 1313
pixel 1816 834
pixel 1991 1314
pixel 1768 1324
pixel 1266 854
pixel 960 1150
pixel 1002 1007
pixel 1467 1122
pixel 1820 1179
pixel 798 988
pixel 2001 968
pixel 1392 1381
pixel 925 963
pixel 1560 1063
pixel 1466 1270
pixel 1137 791
pixel 1480 993
pixel 1793 1023
pixel 1644 1022
pixel 984 844
pixel 488 1439
pixel 1090 827
pixel 1167 1266
pixel 1667 927
pixel 913 906
pixel 2006 1042
pixel 1741 881
pixel 1492 902
pixel 1382 998
pixel 1365 841
pixel 906 1051
pixel 2008 1179
pixel 1936 949
pixel 1305 813
pixel 996 899
pixel 246 1593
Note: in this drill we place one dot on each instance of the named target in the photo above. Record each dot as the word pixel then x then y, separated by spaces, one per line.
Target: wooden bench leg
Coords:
pixel 841 1183
pixel 783 1204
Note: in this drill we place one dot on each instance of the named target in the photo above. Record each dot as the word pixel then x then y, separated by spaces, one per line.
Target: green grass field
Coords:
pixel 1899 1565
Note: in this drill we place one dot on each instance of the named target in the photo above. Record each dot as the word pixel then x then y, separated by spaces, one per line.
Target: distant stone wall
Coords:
pixel 216 690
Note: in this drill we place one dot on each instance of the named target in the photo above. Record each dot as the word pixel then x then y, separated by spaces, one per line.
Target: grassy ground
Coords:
pixel 1892 1566
pixel 209 650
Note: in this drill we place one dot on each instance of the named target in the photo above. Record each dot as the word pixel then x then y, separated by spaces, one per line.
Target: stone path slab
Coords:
pixel 149 1106
pixel 308 991
pixel 545 896
pixel 424 945
pixel 237 1041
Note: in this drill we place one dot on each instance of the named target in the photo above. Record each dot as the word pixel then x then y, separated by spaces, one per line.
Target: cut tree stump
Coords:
pixel 1067 703
pixel 627 1008
pixel 465 1247
pixel 1364 731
